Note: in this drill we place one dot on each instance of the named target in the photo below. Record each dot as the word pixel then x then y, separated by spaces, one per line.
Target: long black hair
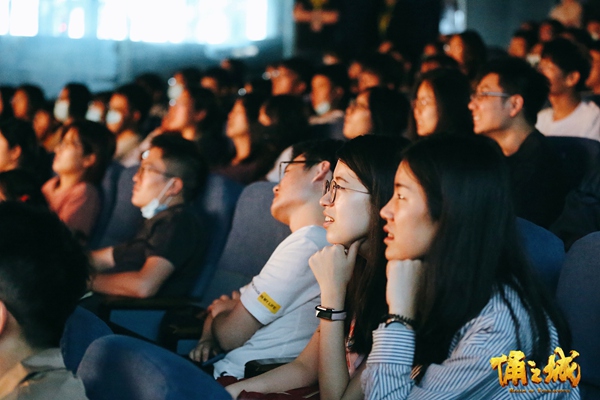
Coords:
pixel 452 93
pixel 374 160
pixel 476 251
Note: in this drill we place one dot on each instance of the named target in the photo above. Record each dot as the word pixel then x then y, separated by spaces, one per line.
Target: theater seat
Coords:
pixel 578 296
pixel 81 329
pixel 120 367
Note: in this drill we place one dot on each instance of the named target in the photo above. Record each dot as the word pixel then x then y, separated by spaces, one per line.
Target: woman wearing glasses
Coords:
pixel 351 275
pixel 440 104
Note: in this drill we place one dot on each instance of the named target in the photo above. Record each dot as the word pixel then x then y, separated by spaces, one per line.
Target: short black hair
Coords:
pixel 337 75
pixel 569 57
pixel 387 68
pixel 318 150
pixel 43 271
pixel 98 140
pixel 516 76
pixel 138 99
pixel 300 67
pixel 183 160
pixel 79 97
pixel 443 60
pixel 530 37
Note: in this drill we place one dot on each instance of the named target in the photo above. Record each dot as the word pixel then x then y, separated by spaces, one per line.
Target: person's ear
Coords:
pixel 322 171
pixel 89 160
pixel 176 187
pixel 572 78
pixel 3 317
pixel 516 104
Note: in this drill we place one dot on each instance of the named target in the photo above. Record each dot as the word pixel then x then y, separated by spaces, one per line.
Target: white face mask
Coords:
pixel 113 117
pixel 175 91
pixel 61 110
pixel 155 206
pixel 94 114
pixel 533 59
pixel 323 108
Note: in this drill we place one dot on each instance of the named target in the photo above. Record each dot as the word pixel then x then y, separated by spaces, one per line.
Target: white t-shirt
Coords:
pixel 584 121
pixel 282 298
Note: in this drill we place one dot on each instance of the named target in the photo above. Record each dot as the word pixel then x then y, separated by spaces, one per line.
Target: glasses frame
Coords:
pixel 478 96
pixel 142 169
pixel 282 168
pixel 331 186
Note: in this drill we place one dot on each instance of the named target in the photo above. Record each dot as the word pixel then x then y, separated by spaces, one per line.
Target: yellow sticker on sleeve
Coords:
pixel 268 302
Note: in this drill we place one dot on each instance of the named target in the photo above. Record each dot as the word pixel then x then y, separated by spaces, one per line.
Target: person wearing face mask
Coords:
pixel 329 88
pixel 128 107
pixel 70 105
pixel 163 257
pixel 182 79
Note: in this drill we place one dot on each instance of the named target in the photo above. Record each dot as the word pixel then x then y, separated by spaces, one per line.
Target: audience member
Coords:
pixel 549 30
pixel 163 258
pixel 26 101
pixel 350 273
pixel 48 130
pixel 253 155
pixel 505 108
pixel 72 103
pixel 380 70
pixel 82 156
pixel 184 78
pixel 567 68
pixel 243 325
pixel 19 149
pixel 43 273
pixel 329 94
pixel 377 111
pixel 521 43
pixel 128 107
pixel 439 243
pixel 98 107
pixel 593 80
pixel 440 104
pixel 436 61
pixel 6 95
pixel 196 115
pixel 292 76
pixel 469 50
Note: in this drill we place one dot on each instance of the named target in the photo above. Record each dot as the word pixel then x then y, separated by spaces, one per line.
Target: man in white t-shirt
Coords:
pixel 273 317
pixel 567 68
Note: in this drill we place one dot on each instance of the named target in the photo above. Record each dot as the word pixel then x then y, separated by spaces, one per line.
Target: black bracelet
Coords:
pixel 330 314
pixel 391 318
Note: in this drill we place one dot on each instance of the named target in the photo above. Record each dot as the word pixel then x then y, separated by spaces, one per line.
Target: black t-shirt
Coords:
pixel 537 180
pixel 175 234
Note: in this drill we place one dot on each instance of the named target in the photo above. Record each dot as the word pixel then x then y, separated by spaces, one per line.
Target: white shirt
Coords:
pixel 584 121
pixel 282 298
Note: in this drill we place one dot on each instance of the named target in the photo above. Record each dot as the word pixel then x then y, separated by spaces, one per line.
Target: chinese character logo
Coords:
pixel 513 368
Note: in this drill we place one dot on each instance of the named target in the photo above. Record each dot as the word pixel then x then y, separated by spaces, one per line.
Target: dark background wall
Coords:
pixel 496 20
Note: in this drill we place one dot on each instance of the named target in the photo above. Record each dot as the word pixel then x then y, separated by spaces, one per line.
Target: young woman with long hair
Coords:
pixel 460 290
pixel 350 272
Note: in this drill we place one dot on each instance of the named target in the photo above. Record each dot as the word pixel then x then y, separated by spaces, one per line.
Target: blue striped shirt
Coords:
pixel 467 372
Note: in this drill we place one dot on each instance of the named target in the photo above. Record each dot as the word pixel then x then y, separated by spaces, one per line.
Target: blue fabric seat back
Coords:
pixel 125 219
pixel 119 367
pixel 544 250
pixel 253 237
pixel 217 205
pixel 578 294
pixel 108 192
pixel 578 156
pixel 81 329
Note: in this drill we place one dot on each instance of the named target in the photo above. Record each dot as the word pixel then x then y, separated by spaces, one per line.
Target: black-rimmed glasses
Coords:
pixel 332 187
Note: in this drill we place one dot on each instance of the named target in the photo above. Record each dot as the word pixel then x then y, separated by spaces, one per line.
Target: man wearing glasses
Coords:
pixel 505 107
pixel 163 257
pixel 273 317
